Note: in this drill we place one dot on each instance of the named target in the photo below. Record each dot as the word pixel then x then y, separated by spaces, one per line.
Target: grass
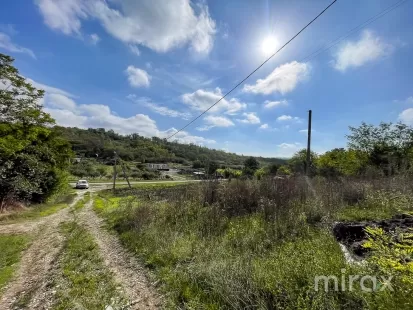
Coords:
pixel 36 211
pixel 11 247
pixel 253 245
pixel 86 283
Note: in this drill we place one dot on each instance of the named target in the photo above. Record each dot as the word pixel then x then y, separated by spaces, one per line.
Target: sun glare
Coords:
pixel 269 45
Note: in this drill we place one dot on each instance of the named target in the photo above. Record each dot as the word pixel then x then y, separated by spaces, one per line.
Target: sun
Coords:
pixel 269 45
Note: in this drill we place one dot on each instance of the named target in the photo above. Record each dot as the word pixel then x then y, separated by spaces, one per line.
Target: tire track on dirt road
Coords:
pixel 30 284
pixel 127 271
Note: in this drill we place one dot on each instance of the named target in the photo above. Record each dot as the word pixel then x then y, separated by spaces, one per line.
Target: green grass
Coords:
pixel 32 213
pixel 10 251
pixel 207 259
pixel 37 211
pixel 376 206
pixel 85 283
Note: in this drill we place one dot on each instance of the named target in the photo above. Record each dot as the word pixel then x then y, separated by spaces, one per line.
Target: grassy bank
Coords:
pixel 85 282
pixel 10 253
pixel 254 245
pixel 37 211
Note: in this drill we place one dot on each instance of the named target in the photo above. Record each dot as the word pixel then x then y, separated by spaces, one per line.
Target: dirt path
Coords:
pixel 126 269
pixel 30 283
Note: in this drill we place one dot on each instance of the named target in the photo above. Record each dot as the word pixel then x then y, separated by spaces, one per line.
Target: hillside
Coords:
pixel 92 143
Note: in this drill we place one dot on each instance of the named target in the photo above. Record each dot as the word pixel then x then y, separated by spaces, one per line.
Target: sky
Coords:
pixel 151 66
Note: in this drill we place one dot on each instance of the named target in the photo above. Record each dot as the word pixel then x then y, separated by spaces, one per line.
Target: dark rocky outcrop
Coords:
pixel 353 234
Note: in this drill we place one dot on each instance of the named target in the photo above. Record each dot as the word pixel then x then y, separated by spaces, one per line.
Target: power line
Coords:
pixel 313 54
pixel 355 29
pixel 256 69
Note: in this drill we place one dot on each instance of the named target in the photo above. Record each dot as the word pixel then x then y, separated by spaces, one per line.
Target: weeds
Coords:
pixel 10 249
pixel 85 283
pixel 252 244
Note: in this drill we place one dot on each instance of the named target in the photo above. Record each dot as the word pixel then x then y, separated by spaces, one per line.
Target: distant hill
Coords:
pixel 101 144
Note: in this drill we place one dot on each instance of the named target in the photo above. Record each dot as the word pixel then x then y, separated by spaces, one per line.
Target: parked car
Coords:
pixel 82 184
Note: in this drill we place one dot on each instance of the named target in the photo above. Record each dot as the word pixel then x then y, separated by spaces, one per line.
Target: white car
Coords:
pixel 82 184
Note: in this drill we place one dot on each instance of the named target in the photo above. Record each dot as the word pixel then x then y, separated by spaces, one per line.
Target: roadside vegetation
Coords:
pixel 259 242
pixel 36 211
pixel 11 248
pixel 253 244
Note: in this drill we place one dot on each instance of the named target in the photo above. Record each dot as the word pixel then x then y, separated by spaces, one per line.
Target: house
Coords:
pixel 163 167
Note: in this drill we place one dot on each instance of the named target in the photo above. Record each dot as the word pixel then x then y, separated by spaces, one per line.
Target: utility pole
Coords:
pixel 307 166
pixel 114 173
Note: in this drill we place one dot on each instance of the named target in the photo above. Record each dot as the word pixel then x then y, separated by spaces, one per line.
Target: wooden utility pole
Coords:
pixel 308 160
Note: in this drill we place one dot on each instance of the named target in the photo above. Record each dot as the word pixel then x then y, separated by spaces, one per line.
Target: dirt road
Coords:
pixel 32 285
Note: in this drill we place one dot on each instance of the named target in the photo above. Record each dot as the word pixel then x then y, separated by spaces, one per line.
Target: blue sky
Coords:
pixel 150 66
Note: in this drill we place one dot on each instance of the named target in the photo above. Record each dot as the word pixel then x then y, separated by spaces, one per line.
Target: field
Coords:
pixel 261 244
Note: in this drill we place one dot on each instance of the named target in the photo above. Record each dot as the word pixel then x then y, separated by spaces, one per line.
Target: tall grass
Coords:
pixel 249 244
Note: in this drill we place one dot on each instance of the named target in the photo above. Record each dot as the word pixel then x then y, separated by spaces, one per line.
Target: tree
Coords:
pixel 339 162
pixel 33 156
pixel 387 146
pixel 367 137
pixel 250 166
pixel 212 167
pixel 272 169
pixel 298 162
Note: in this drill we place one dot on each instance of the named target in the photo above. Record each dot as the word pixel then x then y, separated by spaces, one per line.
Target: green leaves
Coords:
pixel 32 154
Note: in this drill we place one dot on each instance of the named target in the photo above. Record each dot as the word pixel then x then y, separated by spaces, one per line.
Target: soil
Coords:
pixel 32 286
pixel 353 234
pixel 127 271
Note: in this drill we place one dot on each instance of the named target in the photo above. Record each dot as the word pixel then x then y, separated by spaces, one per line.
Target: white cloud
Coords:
pixel 266 127
pixel 272 104
pixel 406 116
pixel 49 89
pixel 283 79
pixel 134 49
pixel 64 16
pixel 250 118
pixel 284 118
pixel 137 77
pixel 288 149
pixel 218 121
pixel 212 121
pixel 305 131
pixel 60 101
pixel 94 38
pixel 8 45
pixel 157 24
pixel 68 113
pixel 368 48
pixel 408 100
pixel 162 110
pixel 201 100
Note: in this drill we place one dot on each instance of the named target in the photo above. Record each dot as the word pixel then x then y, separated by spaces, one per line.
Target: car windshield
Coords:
pixel 82 182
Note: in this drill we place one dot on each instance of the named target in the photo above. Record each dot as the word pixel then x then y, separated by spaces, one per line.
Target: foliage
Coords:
pixel 297 163
pixel 339 162
pixel 250 166
pixel 100 144
pixel 283 170
pixel 33 156
pixel 392 256
pixel 253 244
pixel 387 146
pixel 230 173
